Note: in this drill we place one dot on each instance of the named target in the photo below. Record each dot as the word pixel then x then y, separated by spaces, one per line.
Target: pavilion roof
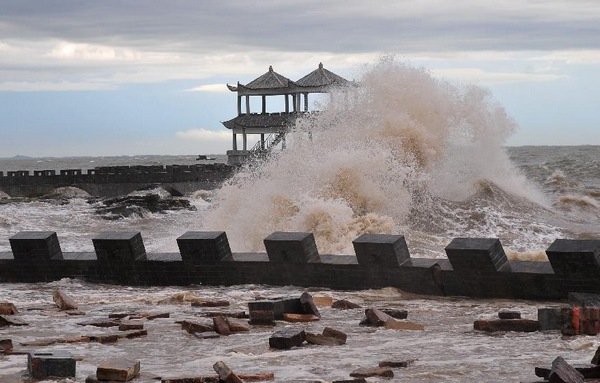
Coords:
pixel 261 120
pixel 269 80
pixel 321 77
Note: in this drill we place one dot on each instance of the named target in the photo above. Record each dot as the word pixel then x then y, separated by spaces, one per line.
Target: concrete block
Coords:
pixel 292 247
pixel 477 255
pixel 550 318
pixel 41 365
pixel 575 257
pixel 35 246
pixel 204 246
pixel 381 250
pixel 119 247
pixel 278 307
pixel 286 339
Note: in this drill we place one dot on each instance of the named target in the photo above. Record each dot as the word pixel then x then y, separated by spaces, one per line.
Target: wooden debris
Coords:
pixel 194 327
pixel 322 340
pixel 119 315
pixel 157 316
pixel 396 313
pixel 6 344
pixel 509 314
pixel 63 301
pixel 132 334
pixel 333 333
pixel 74 312
pixel 287 339
pixel 225 373
pixel 196 379
pixel 366 372
pixel 520 325
pixel 344 304
pixel 376 317
pixel 4 321
pixel 7 308
pixel 589 371
pixel 118 369
pixel 235 326
pixel 221 327
pixel 210 303
pixel 397 363
pixel 257 377
pixel 323 301
pixel 395 324
pixel 100 323
pixel 131 325
pixel 104 338
pixel 294 318
pixel 206 335
pixel 308 305
pixel 357 380
pixel 562 372
pixel 235 314
pixel 262 317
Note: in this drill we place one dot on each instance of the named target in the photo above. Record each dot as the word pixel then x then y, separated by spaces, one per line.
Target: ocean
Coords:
pixel 405 154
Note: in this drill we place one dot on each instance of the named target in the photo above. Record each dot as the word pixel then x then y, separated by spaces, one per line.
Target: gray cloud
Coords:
pixel 334 26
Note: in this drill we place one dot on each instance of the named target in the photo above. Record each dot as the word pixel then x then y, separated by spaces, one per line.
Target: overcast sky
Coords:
pixel 130 77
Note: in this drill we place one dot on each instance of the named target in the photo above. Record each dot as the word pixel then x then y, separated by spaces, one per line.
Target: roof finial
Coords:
pixel 270 68
pixel 320 65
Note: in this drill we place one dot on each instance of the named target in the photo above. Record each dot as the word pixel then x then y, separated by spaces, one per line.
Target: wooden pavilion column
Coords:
pixel 244 139
pixel 239 105
pixel 306 102
pixel 287 103
pixel 264 104
pixel 234 141
pixel 248 104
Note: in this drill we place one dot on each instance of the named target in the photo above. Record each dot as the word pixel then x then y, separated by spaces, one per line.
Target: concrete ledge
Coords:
pixel 119 247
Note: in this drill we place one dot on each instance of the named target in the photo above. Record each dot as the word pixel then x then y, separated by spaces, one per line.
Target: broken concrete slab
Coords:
pixel 118 369
pixel 63 301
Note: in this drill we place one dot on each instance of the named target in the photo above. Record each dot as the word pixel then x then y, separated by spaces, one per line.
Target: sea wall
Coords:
pixel 116 180
pixel 475 267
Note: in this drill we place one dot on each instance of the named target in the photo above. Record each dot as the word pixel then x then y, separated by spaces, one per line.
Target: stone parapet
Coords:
pixel 475 267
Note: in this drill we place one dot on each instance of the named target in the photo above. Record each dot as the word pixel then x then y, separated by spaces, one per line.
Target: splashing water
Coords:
pixel 402 153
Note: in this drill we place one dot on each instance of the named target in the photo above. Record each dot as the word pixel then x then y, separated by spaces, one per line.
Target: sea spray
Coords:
pixel 403 153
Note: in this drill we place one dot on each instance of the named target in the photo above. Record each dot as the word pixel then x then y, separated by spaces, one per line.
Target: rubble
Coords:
pixel 7 308
pixel 4 321
pixel 63 301
pixel 520 325
pixel 118 369
pixel 344 304
pixel 194 327
pixel 286 339
pixel 226 374
pixel 294 318
pixel 509 314
pixel 366 372
pixel 210 304
pixel 220 325
pixel 131 325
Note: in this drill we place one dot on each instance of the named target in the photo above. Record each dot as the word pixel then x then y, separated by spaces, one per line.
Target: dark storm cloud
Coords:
pixel 334 26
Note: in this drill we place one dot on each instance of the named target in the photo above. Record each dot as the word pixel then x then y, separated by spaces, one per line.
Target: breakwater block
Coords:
pixel 477 255
pixel 575 257
pixel 35 246
pixel 381 250
pixel 292 247
pixel 277 307
pixel 41 365
pixel 550 318
pixel 119 247
pixel 204 246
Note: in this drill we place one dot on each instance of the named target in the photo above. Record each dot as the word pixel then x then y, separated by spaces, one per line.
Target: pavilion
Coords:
pixel 272 127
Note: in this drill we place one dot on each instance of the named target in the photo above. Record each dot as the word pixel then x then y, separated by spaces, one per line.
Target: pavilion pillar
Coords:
pixel 262 141
pixel 287 103
pixel 247 104
pixel 264 104
pixel 244 139
pixel 297 109
pixel 294 102
pixel 234 141
pixel 306 102
pixel 239 105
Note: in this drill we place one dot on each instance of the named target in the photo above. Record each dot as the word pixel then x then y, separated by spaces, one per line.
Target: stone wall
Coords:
pixel 475 267
pixel 116 180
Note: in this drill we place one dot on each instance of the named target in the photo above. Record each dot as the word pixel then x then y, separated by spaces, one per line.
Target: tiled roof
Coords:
pixel 321 77
pixel 270 80
pixel 260 120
